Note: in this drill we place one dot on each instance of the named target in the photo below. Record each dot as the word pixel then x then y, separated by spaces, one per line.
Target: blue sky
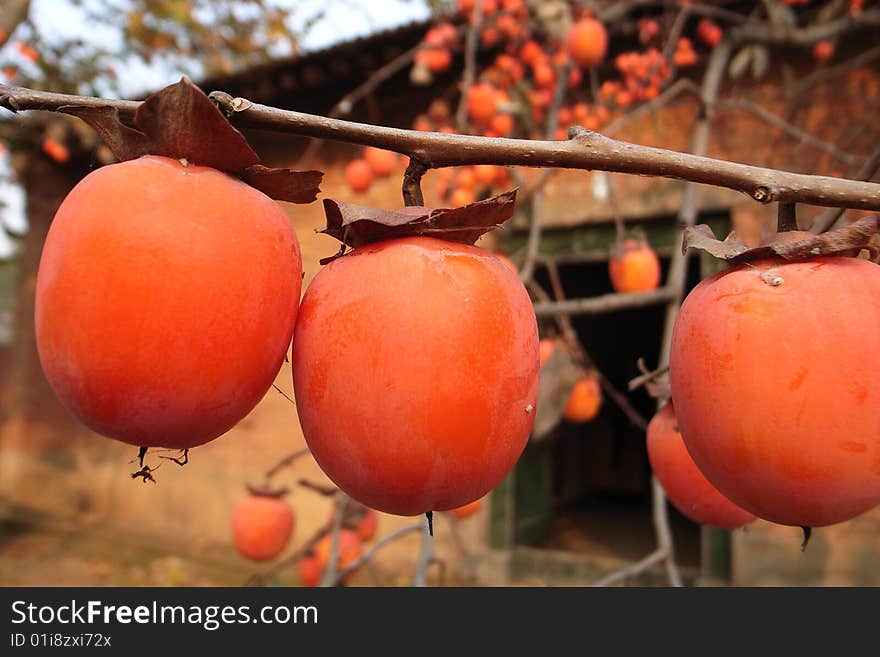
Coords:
pixel 342 20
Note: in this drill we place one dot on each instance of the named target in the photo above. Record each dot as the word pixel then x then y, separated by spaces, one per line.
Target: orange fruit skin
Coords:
pixel 165 301
pixel 776 387
pixel 415 368
pixel 584 401
pixel 261 527
pixel 636 269
pixel 587 42
pixel 686 487
pixel 468 509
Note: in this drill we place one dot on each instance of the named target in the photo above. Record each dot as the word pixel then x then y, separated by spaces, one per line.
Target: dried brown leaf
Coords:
pixel 182 122
pixel 284 184
pixel 125 142
pixel 791 246
pixel 558 376
pixel 355 225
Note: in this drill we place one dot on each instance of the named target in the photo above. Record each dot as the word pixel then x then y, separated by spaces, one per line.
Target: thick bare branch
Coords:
pixel 587 150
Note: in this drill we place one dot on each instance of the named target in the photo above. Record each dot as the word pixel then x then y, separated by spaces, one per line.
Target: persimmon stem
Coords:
pixel 786 218
pixel 412 183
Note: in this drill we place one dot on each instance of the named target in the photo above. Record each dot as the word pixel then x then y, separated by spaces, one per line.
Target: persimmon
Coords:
pixel 359 175
pixel 709 31
pixel 261 526
pixel 310 570
pixel 774 379
pixel 502 124
pixel 56 150
pixel 367 526
pixel 461 196
pixel 823 51
pixel 634 267
pixel 484 173
pixel 437 58
pixel 413 394
pixel 467 510
pixel 584 401
pixel 482 103
pixel 312 564
pixel 546 347
pixel 686 487
pixel 587 42
pixel 165 327
pixel 382 162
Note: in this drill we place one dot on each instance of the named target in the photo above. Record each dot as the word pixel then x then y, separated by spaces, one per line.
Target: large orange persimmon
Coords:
pixel 773 372
pixel 686 487
pixel 261 526
pixel 415 368
pixel 165 302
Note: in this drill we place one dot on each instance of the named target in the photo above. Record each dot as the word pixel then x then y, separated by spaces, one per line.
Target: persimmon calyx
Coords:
pixel 790 245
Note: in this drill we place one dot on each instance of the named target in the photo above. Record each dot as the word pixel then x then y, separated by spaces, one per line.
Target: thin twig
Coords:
pixel 527 269
pixel 789 129
pixel 829 217
pixel 426 558
pixel 472 42
pixel 286 461
pixel 378 545
pixel 604 303
pixel 329 577
pixel 639 566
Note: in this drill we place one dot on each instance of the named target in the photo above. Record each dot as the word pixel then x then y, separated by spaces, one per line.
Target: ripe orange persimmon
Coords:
pixel 584 401
pixel 359 175
pixel 686 487
pixel 382 162
pixel 823 51
pixel 261 526
pixel 773 372
pixel 482 103
pixel 165 325
pixel 587 42
pixel 367 526
pixel 461 196
pixel 546 347
pixel 467 510
pixel 634 267
pixel 56 150
pixel 415 395
pixel 310 570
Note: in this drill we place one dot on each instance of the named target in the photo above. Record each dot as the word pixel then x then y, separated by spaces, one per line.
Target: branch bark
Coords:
pixel 586 150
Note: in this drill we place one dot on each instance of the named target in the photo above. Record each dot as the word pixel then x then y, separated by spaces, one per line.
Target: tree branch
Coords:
pixel 828 218
pixel 789 129
pixel 587 150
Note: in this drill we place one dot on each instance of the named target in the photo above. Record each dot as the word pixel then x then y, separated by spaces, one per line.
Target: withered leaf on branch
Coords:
pixel 558 376
pixel 124 142
pixel 283 184
pixel 181 122
pixel 356 225
pixel 791 245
